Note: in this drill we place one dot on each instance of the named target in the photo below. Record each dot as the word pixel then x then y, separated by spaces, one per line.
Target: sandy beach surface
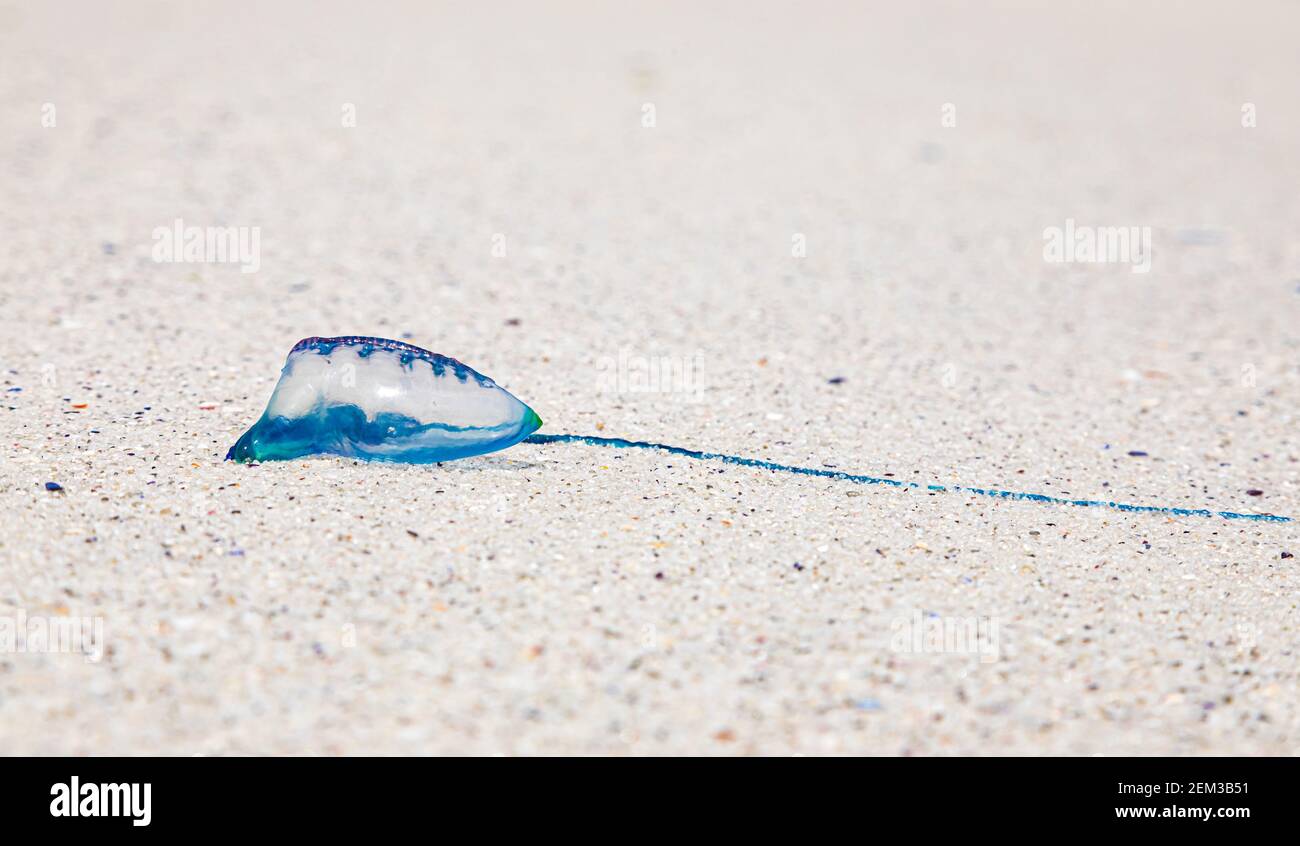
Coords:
pixel 808 233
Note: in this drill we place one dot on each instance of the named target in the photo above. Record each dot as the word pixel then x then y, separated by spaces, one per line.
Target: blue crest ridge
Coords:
pixel 369 344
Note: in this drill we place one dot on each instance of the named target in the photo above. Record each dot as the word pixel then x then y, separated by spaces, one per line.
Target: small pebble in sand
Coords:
pixel 1254 492
pixel 53 486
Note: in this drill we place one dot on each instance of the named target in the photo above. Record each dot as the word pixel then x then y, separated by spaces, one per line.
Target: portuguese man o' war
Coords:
pixel 382 400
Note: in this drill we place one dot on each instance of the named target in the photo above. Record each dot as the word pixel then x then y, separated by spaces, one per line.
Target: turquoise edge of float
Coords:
pixel 698 455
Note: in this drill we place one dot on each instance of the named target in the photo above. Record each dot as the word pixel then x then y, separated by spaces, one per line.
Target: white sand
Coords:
pixel 513 603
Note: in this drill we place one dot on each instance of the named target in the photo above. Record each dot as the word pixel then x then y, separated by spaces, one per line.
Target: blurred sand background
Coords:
pixel 566 599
